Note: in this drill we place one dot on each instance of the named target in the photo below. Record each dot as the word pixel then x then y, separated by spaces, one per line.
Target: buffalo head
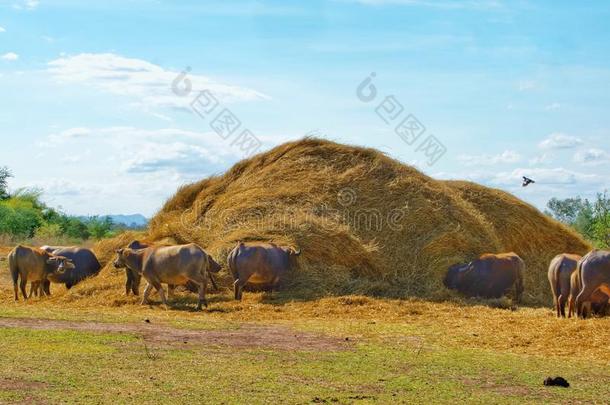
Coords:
pixel 60 264
pixel 455 274
pixel 119 262
pixel 213 266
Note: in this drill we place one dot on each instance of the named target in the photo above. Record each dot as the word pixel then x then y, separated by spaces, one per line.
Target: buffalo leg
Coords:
pixel 146 293
pixel 161 292
pixel 47 287
pixel 22 286
pixel 213 281
pixel 202 290
pixel 561 306
pixel 34 288
pixel 16 291
pixel 585 295
pixel 237 289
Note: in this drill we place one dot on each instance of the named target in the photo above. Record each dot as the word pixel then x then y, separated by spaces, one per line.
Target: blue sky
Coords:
pixel 509 88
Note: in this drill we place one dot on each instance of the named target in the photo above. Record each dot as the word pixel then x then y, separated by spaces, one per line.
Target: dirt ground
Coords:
pixel 245 336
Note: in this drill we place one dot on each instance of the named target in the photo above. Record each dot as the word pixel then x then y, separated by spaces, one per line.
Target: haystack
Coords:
pixel 366 224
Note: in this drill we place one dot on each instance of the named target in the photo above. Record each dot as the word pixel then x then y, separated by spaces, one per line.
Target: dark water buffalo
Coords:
pixel 51 249
pixel 597 303
pixel 133 277
pixel 489 276
pixel 594 274
pixel 175 265
pixel 262 264
pixel 85 262
pixel 560 272
pixel 34 265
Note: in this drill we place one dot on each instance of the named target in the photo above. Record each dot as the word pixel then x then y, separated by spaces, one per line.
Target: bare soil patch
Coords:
pixel 246 336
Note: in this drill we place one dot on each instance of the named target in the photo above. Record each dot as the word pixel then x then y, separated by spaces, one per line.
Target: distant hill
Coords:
pixel 131 221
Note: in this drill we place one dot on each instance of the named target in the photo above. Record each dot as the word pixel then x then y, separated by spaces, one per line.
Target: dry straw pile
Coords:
pixel 366 224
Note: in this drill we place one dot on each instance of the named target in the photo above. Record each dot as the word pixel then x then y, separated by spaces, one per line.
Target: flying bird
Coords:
pixel 527 181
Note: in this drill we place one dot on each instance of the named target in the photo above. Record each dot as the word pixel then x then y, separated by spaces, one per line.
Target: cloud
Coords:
pixel 525 85
pixel 593 156
pixel 64 136
pixel 10 56
pixel 472 4
pixel 26 4
pixel 176 156
pixel 149 84
pixel 2 29
pixel 507 156
pixel 560 141
pixel 552 107
pixel 542 176
pixel 540 159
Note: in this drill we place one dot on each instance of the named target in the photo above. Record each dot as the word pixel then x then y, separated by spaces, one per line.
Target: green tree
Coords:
pixel 5 174
pixel 592 220
pixel 100 228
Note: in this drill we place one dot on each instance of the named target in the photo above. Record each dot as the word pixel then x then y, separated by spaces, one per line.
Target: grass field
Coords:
pixel 268 349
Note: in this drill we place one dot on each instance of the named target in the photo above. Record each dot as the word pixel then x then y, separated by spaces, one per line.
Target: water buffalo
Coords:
pixel 133 277
pixel 594 274
pixel 85 262
pixel 34 265
pixel 51 249
pixel 598 301
pixel 489 276
pixel 262 264
pixel 174 265
pixel 560 272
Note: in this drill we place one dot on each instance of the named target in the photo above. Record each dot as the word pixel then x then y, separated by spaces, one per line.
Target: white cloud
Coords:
pixel 507 156
pixel 471 4
pixel 552 107
pixel 2 29
pixel 10 56
pixel 559 140
pixel 525 85
pixel 26 4
pixel 542 176
pixel 592 156
pixel 540 159
pixel 149 84
pixel 65 136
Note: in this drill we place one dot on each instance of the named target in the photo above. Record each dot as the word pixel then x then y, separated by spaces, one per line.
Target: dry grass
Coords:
pixel 366 224
pixel 454 324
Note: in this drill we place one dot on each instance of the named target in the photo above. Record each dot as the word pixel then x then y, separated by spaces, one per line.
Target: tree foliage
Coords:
pixel 5 174
pixel 591 219
pixel 24 215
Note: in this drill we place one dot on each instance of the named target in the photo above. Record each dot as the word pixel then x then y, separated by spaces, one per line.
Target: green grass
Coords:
pixel 386 364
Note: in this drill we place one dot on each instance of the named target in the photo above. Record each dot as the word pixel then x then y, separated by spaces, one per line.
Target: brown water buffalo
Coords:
pixel 133 277
pixel 34 265
pixel 489 276
pixel 598 301
pixel 261 264
pixel 174 265
pixel 594 275
pixel 560 272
